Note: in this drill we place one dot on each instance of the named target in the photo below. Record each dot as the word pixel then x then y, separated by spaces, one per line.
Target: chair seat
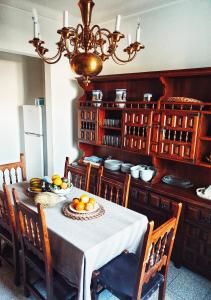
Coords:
pixel 6 234
pixel 119 276
pixel 61 289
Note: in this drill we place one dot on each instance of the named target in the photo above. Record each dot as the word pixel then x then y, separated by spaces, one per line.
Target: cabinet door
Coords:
pixel 88 125
pixel 136 130
pixel 178 135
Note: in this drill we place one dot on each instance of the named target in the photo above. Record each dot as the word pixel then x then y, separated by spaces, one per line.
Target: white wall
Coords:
pixel 60 87
pixel 21 80
pixel 176 36
pixel 64 91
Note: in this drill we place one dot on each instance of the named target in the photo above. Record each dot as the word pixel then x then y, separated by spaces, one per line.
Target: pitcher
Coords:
pixel 97 95
pixel 120 97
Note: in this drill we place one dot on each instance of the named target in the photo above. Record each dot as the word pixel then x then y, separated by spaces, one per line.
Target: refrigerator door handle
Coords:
pixel 34 134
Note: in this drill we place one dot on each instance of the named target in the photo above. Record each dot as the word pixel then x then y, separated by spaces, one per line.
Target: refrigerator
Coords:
pixel 35 144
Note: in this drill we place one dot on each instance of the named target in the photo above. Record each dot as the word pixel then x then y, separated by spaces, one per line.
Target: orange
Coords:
pixel 64 185
pixel 89 206
pixel 57 181
pixel 75 202
pixel 84 198
pixel 92 201
pixel 80 206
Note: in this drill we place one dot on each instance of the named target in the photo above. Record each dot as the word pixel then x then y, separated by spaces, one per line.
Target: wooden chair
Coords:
pixel 113 190
pixel 9 173
pixel 37 260
pixel 9 252
pixel 130 276
pixel 79 175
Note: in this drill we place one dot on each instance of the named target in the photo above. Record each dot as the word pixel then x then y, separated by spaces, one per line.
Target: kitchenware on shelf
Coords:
pixel 113 164
pixel 135 171
pixel 97 95
pixel 125 168
pixel 204 192
pixel 121 97
pixel 146 174
pixel 147 97
pixel 177 181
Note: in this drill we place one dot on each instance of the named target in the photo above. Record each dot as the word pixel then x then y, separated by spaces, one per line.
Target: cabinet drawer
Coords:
pixel 198 215
pixel 159 201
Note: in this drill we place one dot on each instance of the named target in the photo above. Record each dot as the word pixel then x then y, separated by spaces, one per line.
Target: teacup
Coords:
pixel 146 174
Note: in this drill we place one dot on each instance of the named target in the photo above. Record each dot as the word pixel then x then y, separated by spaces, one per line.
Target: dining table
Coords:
pixel 79 247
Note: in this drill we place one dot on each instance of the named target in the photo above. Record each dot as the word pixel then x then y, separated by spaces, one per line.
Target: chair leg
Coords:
pixel 25 288
pixel 0 251
pixel 94 286
pixel 16 266
pixel 162 291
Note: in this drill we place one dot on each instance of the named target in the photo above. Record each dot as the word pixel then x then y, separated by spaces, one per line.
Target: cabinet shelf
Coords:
pixel 205 138
pixel 110 127
pixel 204 164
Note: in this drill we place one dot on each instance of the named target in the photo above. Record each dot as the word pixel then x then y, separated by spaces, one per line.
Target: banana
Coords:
pixel 36 189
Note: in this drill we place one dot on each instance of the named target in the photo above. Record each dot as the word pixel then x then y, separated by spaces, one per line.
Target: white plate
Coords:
pixel 96 206
pixel 200 193
pixel 62 192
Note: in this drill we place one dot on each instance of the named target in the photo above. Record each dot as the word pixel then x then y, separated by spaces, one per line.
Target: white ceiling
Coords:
pixel 103 10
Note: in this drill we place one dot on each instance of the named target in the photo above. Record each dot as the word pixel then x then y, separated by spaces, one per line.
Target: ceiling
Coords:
pixel 103 11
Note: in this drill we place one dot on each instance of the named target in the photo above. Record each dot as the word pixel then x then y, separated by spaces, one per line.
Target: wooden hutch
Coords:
pixel 173 137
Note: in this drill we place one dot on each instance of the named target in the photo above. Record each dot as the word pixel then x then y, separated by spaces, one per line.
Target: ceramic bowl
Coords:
pixel 135 171
pixel 113 164
pixel 146 174
pixel 125 168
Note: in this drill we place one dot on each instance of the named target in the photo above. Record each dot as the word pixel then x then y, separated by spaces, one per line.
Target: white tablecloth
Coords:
pixel 80 247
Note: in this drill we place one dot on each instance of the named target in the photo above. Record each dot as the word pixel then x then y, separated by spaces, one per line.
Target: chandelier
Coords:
pixel 86 46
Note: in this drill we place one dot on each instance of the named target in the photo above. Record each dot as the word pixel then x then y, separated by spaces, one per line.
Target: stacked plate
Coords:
pixel 177 181
pixel 113 164
pixel 125 168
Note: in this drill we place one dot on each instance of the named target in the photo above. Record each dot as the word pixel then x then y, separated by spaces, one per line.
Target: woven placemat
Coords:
pixel 82 217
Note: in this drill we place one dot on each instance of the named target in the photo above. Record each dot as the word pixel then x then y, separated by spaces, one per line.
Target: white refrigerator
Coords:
pixel 34 123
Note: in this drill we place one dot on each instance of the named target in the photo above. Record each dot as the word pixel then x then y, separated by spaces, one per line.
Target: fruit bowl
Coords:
pixel 60 191
pixel 83 204
pixel 96 207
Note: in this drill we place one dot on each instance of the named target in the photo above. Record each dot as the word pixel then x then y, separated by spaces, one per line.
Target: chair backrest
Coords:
pixel 113 190
pixel 7 216
pixel 79 175
pixel 157 249
pixel 34 235
pixel 13 172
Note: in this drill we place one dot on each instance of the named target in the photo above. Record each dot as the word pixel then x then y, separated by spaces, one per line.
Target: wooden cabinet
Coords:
pixel 174 137
pixel 136 133
pixel 88 125
pixel 178 135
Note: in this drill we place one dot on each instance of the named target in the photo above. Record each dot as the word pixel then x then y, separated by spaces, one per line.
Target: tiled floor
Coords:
pixel 182 285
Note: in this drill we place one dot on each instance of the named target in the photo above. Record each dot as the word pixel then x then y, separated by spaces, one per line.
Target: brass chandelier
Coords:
pixel 87 47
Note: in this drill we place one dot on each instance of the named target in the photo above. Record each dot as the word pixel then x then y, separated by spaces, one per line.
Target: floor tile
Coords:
pixel 208 295
pixel 190 286
pixel 173 272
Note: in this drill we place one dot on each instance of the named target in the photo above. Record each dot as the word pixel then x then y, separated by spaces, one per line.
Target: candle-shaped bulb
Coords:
pixel 34 15
pixel 36 30
pixel 129 39
pixel 118 20
pixel 138 33
pixel 65 18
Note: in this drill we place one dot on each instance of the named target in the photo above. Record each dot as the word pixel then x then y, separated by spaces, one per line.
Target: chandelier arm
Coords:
pixel 123 61
pixel 50 60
